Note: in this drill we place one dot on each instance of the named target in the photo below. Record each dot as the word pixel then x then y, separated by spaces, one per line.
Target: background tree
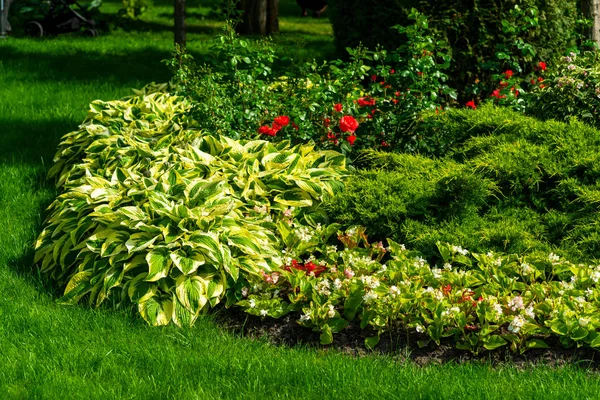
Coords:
pixel 179 13
pixel 258 17
pixel 591 10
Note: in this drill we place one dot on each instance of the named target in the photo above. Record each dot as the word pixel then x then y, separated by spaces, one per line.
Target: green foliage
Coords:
pixel 505 182
pixel 134 9
pixel 155 212
pixel 486 36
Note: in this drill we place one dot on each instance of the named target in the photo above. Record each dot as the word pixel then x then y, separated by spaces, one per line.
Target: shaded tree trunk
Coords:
pixel 180 34
pixel 259 17
pixel 591 10
pixel 4 24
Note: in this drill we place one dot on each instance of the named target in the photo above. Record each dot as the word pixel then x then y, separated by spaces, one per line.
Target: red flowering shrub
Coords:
pixel 348 124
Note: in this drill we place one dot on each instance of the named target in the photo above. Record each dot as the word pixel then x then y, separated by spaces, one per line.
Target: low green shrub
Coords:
pixel 506 183
pixel 155 212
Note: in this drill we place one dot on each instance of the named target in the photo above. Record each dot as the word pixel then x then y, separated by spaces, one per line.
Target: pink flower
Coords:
pixel 349 273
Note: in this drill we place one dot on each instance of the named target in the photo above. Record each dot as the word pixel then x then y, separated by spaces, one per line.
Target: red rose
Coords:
pixel 508 74
pixel 348 124
pixel 282 120
pixel 338 107
pixel 264 130
pixel 276 127
pixel 366 101
pixel 542 65
pixel 326 122
pixel 351 139
pixel 471 104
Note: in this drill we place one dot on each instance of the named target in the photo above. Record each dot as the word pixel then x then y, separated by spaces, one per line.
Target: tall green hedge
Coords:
pixel 472 28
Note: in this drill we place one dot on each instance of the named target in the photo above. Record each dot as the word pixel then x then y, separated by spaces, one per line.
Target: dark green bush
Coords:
pixel 507 183
pixel 476 30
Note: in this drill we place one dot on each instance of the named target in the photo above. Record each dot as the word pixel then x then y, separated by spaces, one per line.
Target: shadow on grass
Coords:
pixel 123 69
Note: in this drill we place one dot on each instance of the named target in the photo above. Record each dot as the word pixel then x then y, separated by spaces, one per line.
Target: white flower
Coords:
pixel 529 312
pixel 420 328
pixel 370 281
pixel 516 303
pixel 448 267
pixel 583 321
pixel 580 299
pixel 245 291
pixel 595 276
pixel 260 209
pixel 516 324
pixel 420 262
pixel 263 313
pixel 460 250
pixel 323 288
pixel 573 279
pixel 252 303
pixel 288 212
pixel 498 262
pixel 331 312
pixel 369 296
pixel 498 309
pixel 526 268
pixel 306 316
pixel 571 66
pixel 589 292
pixel 437 273
pixel 303 233
pixel 337 284
pixel 553 258
pixel 394 291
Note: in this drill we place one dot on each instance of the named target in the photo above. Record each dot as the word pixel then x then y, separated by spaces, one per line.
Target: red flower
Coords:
pixel 542 65
pixel 282 120
pixel 503 84
pixel 508 74
pixel 338 107
pixel 366 101
pixel 326 122
pixel 351 139
pixel 446 290
pixel 295 126
pixel 348 124
pixel 395 101
pixel 265 130
pixel 471 104
pixel 496 94
pixel 384 143
pixel 533 81
pixel 276 127
pixel 419 73
pixel 398 94
pixel 373 78
pixel 540 79
pixel 392 71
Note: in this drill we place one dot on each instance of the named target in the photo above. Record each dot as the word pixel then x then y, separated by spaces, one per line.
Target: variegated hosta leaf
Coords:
pixel 153 211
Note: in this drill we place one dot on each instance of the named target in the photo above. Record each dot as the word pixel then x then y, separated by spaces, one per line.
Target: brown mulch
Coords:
pixel 400 345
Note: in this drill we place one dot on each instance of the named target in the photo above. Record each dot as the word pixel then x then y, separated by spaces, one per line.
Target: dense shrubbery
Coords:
pixel 486 36
pixel 571 89
pixel 338 105
pixel 507 182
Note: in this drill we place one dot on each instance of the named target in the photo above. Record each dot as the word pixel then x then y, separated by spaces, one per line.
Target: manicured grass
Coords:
pixel 51 351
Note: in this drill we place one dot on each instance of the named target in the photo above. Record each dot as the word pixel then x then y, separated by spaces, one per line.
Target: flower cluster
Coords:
pixel 278 123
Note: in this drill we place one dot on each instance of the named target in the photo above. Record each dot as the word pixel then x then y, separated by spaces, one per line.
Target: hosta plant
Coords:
pixel 155 212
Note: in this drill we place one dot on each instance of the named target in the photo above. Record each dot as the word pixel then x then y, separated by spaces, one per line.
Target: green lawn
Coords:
pixel 51 351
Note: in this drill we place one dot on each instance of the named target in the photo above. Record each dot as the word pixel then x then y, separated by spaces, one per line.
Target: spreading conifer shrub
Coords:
pixel 155 212
pixel 506 182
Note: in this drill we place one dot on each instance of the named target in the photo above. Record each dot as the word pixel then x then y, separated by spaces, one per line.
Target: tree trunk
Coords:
pixel 180 37
pixel 591 10
pixel 259 17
